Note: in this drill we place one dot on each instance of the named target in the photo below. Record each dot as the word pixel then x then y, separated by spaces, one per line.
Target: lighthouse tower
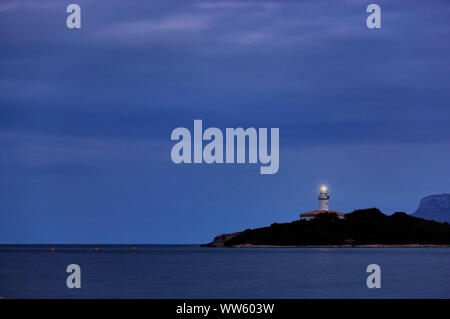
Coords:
pixel 323 198
pixel 323 207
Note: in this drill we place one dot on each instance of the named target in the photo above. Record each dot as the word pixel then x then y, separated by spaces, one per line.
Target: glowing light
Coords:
pixel 323 189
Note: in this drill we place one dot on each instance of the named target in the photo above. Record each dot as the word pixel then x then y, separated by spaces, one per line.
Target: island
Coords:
pixel 360 228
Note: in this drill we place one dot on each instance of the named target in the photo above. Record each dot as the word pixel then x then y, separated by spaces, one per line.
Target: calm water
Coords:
pixel 162 271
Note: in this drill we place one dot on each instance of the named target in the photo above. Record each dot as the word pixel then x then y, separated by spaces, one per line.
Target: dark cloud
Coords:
pixel 132 66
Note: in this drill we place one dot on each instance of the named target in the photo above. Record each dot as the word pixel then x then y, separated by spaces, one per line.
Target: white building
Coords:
pixel 324 197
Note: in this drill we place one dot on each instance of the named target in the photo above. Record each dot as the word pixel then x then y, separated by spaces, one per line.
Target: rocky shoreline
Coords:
pixel 328 246
pixel 219 241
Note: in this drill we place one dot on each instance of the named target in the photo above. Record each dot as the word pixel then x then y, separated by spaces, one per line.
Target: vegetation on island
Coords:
pixel 361 227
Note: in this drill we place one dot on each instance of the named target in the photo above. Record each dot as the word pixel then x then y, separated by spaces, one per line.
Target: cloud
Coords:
pixel 28 4
pixel 180 23
pixel 4 7
pixel 139 72
pixel 220 5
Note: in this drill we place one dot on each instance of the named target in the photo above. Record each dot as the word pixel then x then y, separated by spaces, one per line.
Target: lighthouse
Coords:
pixel 323 198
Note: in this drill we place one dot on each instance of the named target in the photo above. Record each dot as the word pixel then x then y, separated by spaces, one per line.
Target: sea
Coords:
pixel 191 271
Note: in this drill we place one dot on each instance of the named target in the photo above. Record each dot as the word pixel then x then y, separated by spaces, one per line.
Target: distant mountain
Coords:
pixel 434 207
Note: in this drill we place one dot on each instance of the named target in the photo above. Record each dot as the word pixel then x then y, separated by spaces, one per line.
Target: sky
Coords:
pixel 86 114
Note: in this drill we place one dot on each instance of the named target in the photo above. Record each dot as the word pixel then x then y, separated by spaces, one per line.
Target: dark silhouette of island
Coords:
pixel 365 227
